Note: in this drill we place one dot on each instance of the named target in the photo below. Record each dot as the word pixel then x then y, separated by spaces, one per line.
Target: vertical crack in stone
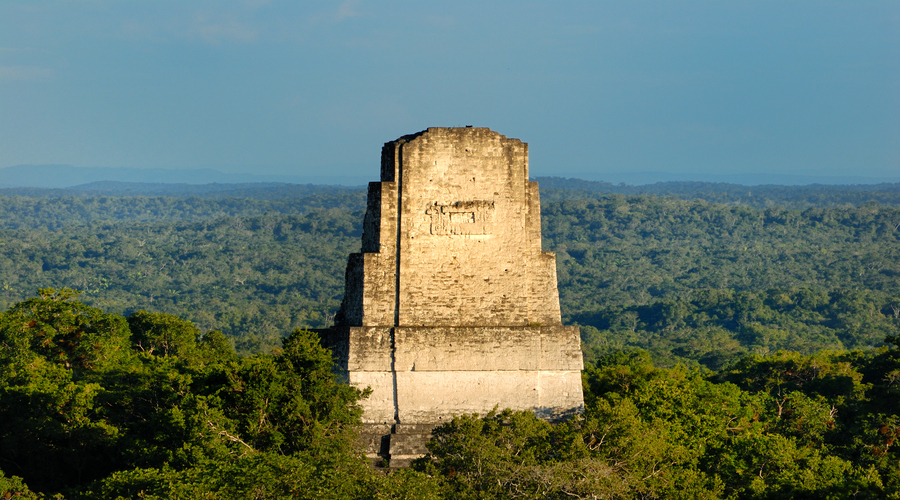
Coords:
pixel 394 374
pixel 398 159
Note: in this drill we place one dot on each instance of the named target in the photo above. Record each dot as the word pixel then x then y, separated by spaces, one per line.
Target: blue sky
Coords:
pixel 306 88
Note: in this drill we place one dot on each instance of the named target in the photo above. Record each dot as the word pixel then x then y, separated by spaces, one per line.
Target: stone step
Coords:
pixel 408 445
pixel 397 444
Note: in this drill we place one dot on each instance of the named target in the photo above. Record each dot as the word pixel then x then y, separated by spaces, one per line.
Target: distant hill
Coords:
pixel 781 179
pixel 92 178
pixel 64 176
pixel 258 190
pixel 552 189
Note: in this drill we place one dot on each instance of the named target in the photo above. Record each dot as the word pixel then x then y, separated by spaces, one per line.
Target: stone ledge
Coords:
pixel 441 348
pixel 446 348
pixel 431 396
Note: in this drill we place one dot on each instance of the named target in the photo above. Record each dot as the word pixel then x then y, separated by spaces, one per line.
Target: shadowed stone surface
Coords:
pixel 451 307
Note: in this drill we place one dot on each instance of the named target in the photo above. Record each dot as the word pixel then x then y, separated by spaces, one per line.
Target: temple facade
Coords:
pixel 451 306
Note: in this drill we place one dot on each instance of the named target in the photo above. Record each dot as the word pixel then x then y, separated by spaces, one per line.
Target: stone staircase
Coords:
pixel 395 446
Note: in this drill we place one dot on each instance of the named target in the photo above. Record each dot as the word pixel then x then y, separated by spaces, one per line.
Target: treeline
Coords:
pixel 253 278
pixel 97 405
pixel 256 190
pixel 690 281
pixel 56 213
pixel 713 327
pixel 552 189
pixel 763 196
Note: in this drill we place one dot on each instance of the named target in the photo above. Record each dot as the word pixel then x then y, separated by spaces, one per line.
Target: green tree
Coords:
pixel 63 331
pixel 513 455
pixel 14 487
pixel 174 414
pixel 54 428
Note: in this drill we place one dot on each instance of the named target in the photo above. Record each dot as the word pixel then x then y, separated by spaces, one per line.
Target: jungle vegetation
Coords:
pixel 735 348
pixel 688 280
pixel 98 405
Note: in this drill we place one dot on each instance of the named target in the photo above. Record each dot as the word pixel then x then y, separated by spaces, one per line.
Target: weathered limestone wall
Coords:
pixel 451 306
pixel 425 374
pixel 466 221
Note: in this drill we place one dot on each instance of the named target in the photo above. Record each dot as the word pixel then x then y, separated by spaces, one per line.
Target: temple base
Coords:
pixel 440 372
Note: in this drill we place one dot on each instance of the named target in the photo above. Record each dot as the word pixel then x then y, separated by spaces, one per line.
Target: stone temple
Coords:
pixel 451 307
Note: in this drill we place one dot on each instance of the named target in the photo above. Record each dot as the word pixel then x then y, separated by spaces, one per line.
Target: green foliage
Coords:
pixel 513 455
pixel 62 331
pixel 760 197
pixel 257 475
pixel 252 278
pixel 164 334
pixel 633 250
pixel 714 326
pixel 796 310
pixel 14 487
pixel 687 280
pixel 50 402
pixel 779 426
pixel 162 411
pixel 291 402
pixel 55 209
pixel 180 415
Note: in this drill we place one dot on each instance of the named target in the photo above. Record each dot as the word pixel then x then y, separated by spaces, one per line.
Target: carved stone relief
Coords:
pixel 462 218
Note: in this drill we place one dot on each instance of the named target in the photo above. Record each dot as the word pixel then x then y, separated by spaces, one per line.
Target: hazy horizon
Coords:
pixel 68 176
pixel 693 89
